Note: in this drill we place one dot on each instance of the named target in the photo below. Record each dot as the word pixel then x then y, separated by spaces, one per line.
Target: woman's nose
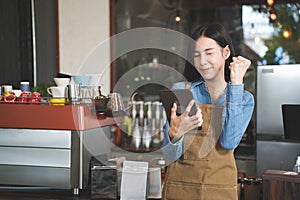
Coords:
pixel 203 60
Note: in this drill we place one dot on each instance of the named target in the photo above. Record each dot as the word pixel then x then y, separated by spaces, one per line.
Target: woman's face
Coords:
pixel 209 58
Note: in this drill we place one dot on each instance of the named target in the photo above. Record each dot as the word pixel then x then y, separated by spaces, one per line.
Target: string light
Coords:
pixel 279 25
pixel 270 3
pixel 272 11
pixel 286 34
pixel 177 18
pixel 273 15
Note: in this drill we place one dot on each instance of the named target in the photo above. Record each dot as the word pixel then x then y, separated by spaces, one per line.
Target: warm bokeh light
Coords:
pixel 270 2
pixel 177 18
pixel 286 34
pixel 273 15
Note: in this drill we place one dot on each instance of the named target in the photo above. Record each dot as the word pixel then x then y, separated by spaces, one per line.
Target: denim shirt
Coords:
pixel 238 106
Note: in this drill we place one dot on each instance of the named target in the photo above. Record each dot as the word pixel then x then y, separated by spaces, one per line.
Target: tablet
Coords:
pixel 181 97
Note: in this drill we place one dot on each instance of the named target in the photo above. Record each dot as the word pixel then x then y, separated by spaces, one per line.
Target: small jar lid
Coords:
pixel 161 161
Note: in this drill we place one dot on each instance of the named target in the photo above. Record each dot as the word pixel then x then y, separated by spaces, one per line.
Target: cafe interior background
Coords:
pixel 44 38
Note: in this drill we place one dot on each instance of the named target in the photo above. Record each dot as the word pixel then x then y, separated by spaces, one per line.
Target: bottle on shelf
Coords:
pixel 162 164
pixel 141 112
pixel 133 112
pixel 127 131
pixel 157 113
pixel 149 111
pixel 297 165
pixel 118 138
pixel 161 130
pixel 155 133
pixel 136 135
pixel 146 135
pixel 113 131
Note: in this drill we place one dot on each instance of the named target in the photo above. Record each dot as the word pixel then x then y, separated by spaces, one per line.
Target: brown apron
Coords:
pixel 206 171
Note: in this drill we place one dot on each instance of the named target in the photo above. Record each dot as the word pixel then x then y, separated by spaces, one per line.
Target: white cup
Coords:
pixel 7 89
pixel 58 91
pixel 62 82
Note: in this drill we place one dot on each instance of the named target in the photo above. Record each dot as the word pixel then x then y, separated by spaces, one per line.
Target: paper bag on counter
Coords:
pixel 134 180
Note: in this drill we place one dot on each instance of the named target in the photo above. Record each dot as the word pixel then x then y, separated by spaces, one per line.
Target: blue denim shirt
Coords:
pixel 238 108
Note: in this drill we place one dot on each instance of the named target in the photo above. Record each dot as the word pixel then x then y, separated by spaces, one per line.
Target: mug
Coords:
pixel 25 86
pixel 57 91
pixel 62 82
pixel 7 89
pixel 74 92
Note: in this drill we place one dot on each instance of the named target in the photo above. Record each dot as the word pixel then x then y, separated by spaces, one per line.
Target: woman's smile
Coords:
pixel 206 69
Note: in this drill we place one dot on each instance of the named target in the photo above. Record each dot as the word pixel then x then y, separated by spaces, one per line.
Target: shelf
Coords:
pixel 39 116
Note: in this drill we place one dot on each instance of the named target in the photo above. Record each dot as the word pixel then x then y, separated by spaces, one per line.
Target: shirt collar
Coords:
pixel 197 83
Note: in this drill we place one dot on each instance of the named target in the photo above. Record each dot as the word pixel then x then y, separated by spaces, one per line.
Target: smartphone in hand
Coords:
pixel 181 97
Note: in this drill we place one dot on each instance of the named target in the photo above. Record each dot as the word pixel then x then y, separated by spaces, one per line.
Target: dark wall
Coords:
pixel 46 38
pixel 16 41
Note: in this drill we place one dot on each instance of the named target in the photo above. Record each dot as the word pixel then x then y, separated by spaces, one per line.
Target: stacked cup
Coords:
pixel 59 92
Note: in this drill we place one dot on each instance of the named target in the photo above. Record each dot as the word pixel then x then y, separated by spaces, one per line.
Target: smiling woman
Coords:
pixel 224 112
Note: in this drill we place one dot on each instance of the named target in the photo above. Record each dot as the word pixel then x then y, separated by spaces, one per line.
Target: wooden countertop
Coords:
pixel 278 185
pixel 281 176
pixel 39 116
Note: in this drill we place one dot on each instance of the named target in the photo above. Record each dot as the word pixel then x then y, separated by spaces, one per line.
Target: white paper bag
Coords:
pixel 134 180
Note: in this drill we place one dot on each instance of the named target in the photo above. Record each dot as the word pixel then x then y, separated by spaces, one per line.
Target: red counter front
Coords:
pixel 50 145
pixel 68 117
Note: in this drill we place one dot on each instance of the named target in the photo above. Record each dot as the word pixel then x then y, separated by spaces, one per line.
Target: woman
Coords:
pixel 203 164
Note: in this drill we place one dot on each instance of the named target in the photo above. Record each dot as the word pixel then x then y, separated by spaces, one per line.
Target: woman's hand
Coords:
pixel 238 68
pixel 182 124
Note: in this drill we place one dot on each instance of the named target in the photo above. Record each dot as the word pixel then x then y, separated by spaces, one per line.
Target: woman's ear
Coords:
pixel 226 52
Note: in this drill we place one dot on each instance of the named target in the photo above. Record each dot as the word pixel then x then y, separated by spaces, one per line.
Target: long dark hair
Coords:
pixel 218 33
